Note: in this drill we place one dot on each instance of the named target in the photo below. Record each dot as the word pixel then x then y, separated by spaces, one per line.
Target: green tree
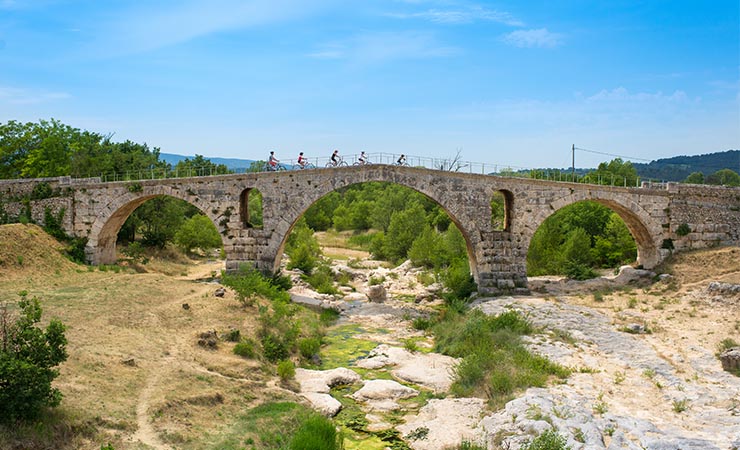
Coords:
pixel 404 228
pixel 302 248
pixel 724 177
pixel 695 178
pixel 616 172
pixel 197 232
pixel 199 166
pixel 28 357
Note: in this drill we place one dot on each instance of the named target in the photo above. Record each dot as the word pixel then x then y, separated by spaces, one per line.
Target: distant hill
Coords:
pixel 231 163
pixel 678 168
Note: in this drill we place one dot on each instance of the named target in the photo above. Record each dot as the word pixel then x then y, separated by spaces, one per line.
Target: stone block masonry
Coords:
pixel 671 215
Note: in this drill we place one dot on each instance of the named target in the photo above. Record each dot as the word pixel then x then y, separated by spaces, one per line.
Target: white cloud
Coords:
pixel 533 38
pixel 22 96
pixel 379 47
pixel 462 16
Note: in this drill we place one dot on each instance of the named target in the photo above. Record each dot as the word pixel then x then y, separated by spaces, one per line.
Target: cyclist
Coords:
pixel 401 160
pixel 302 160
pixel 335 158
pixel 362 158
pixel 272 161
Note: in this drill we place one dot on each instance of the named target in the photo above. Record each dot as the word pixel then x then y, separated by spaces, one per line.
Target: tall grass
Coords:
pixel 495 363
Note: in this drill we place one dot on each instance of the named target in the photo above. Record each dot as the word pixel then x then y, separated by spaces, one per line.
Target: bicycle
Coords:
pixel 306 165
pixel 338 163
pixel 367 162
pixel 276 168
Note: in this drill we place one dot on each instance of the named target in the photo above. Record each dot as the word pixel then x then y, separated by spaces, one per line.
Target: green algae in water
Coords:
pixel 342 349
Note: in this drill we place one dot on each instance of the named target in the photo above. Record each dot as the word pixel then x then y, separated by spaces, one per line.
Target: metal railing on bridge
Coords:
pixel 442 164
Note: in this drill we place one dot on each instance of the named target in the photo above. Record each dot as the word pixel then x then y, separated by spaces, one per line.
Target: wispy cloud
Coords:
pixel 379 47
pixel 22 96
pixel 145 29
pixel 535 38
pixel 462 15
pixel 621 94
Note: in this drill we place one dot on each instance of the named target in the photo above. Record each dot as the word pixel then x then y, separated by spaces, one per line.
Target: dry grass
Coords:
pixel 177 393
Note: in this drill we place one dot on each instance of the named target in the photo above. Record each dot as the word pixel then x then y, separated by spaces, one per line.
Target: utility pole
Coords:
pixel 573 161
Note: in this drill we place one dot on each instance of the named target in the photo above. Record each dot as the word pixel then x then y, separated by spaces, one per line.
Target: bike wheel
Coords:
pixel 330 164
pixel 342 163
pixel 309 166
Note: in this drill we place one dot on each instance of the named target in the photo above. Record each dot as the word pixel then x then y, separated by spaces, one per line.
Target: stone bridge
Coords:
pixel 653 214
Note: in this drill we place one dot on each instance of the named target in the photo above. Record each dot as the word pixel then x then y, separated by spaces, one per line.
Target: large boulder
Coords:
pixel 383 390
pixel 325 404
pixel 730 359
pixel 377 293
pixel 628 274
pixel 430 370
pixel 322 381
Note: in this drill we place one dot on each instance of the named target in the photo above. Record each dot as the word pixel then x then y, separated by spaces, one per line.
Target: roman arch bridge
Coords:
pixel 653 214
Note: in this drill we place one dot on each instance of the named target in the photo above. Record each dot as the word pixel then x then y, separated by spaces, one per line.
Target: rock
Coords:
pixel 355 297
pixel 377 293
pixel 444 423
pixel 636 328
pixel 628 274
pixel 430 370
pixel 129 362
pixel 665 277
pixel 325 404
pixel 729 289
pixel 208 339
pixel 185 306
pixel 220 292
pixel 383 390
pixel 730 359
pixel 322 381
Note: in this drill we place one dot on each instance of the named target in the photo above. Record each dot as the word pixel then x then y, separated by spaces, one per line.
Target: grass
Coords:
pixel 495 363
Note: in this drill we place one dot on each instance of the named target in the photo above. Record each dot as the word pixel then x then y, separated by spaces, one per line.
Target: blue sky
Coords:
pixel 506 82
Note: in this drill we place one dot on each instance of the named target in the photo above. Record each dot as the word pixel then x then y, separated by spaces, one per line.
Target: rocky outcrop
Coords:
pixel 444 423
pixel 377 293
pixel 316 384
pixel 430 370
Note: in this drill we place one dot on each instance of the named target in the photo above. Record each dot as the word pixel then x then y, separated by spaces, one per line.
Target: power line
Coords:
pixel 612 154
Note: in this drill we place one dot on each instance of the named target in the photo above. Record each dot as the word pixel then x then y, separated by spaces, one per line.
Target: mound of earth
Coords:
pixel 718 264
pixel 27 250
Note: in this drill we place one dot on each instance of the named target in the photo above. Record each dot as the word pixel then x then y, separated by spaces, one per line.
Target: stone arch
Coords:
pixel 645 230
pixel 293 211
pixel 101 243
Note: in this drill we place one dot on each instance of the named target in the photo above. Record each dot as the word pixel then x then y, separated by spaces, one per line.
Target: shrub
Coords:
pixel 579 271
pixel 28 357
pixel 548 440
pixel 322 280
pixel 286 370
pixel 274 348
pixel 76 250
pixel 309 347
pixel 683 229
pixel 421 323
pixel 249 283
pixel 458 280
pixel 317 433
pixel 233 335
pixel 246 349
pixel 41 191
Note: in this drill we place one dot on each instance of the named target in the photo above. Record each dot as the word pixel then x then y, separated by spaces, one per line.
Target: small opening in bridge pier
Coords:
pixel 250 208
pixel 501 204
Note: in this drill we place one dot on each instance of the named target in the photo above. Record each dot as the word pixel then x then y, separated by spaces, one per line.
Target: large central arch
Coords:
pixel 281 211
pixel 305 206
